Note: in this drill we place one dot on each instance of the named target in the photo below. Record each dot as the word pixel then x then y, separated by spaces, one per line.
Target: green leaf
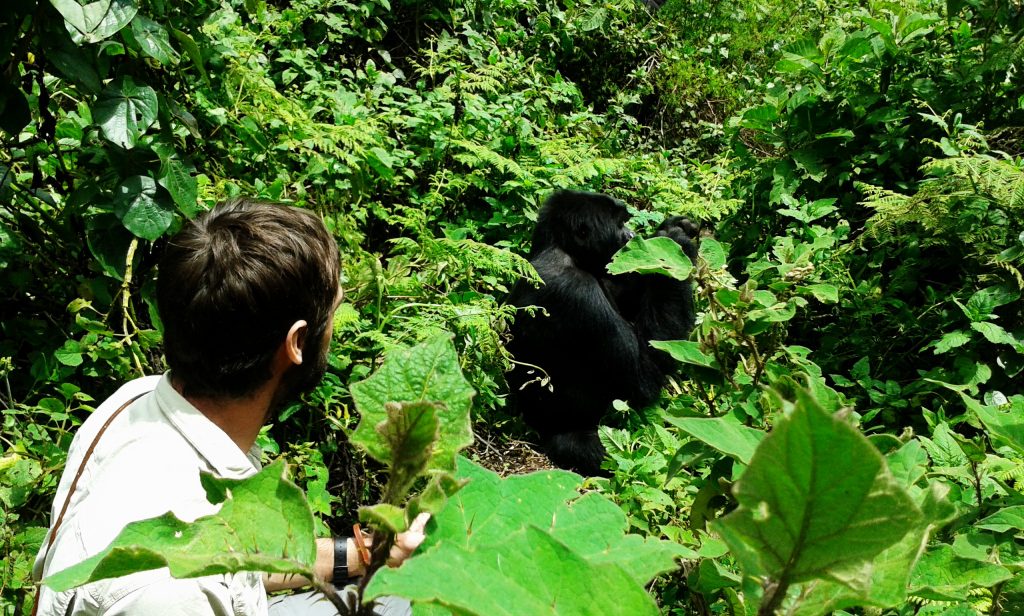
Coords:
pixel 433 498
pixel 658 255
pixel 95 21
pixel 593 19
pixel 71 61
pixel 124 111
pixel 108 242
pixel 143 210
pixel 686 351
pixel 1010 518
pixel 760 320
pixel 811 162
pixel 883 580
pixel 983 302
pixel 822 292
pixel 995 334
pixel 154 40
pixel 428 372
pixel 384 515
pixel 909 463
pixel 180 184
pixel 726 434
pixel 841 133
pixel 817 498
pixel 952 340
pixel 192 51
pixel 529 545
pixel 1004 425
pixel 70 354
pixel 713 253
pixel 760 118
pixel 941 575
pixel 263 525
pixel 409 432
pixel 381 161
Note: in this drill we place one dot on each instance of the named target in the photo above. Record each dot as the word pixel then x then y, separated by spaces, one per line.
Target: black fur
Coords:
pixel 593 342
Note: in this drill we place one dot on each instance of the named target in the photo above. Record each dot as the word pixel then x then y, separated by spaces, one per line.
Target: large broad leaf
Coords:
pixel 154 40
pixel 997 335
pixel 529 545
pixel 1003 425
pixel 177 178
pixel 95 21
pixel 816 501
pixel 822 292
pixel 124 110
pixel 686 351
pixel 943 576
pixel 713 253
pixel 726 434
pixel 72 62
pixel 884 580
pixel 950 340
pixel 264 524
pixel 658 255
pixel 143 208
pixel 428 372
pixel 108 241
pixel 1010 518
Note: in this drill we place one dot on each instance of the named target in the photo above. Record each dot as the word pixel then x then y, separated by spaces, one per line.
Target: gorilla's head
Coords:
pixel 589 227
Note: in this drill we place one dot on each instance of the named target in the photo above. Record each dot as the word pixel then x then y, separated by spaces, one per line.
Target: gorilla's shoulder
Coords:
pixel 555 264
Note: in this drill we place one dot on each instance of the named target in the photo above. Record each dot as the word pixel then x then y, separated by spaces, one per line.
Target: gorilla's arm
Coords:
pixel 585 323
pixel 660 307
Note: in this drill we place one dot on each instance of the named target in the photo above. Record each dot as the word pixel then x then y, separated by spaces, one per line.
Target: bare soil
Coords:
pixel 505 455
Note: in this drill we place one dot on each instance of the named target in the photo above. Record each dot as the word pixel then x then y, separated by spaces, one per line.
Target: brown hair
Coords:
pixel 232 282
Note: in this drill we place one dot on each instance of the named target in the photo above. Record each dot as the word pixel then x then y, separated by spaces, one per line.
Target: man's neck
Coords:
pixel 239 418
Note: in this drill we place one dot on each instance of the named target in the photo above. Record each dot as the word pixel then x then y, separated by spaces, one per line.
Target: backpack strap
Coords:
pixel 74 485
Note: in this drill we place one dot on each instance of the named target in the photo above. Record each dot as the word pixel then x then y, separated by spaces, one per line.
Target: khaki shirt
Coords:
pixel 146 464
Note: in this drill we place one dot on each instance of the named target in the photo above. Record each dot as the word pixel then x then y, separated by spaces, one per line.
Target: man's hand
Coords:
pixel 407 542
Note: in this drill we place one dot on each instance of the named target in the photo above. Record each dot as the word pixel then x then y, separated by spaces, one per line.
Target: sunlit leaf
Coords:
pixel 726 434
pixel 263 525
pixel 658 255
pixel 816 499
pixel 942 575
pixel 97 20
pixel 428 372
pixel 686 351
pixel 142 208
pixel 529 545
pixel 154 40
pixel 124 110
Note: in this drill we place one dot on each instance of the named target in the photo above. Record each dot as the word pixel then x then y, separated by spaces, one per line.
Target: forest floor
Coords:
pixel 504 454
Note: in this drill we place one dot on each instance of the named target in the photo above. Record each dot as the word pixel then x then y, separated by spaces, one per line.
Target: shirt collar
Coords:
pixel 212 443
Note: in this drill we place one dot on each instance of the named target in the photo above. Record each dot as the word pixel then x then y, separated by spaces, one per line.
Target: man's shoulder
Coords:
pixel 127 393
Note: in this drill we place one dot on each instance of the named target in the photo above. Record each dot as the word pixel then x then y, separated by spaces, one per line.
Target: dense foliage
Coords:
pixel 857 167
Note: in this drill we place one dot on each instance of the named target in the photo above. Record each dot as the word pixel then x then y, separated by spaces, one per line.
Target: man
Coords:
pixel 246 294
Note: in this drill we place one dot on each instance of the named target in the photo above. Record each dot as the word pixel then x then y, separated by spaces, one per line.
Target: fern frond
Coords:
pixel 963 197
pixel 478 156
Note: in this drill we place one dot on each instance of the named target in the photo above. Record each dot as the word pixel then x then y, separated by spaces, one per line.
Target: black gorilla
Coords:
pixel 593 343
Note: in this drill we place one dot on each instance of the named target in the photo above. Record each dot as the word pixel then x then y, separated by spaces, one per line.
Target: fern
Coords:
pixel 973 198
pixel 473 263
pixel 476 155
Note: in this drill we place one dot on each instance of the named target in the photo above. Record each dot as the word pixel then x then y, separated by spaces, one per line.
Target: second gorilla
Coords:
pixel 593 342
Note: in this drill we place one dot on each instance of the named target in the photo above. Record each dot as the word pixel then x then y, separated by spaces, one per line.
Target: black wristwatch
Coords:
pixel 340 574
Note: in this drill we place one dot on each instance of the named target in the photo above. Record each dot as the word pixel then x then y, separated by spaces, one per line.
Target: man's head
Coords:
pixel 233 283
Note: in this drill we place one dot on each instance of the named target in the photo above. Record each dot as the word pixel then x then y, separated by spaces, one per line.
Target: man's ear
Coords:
pixel 295 340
